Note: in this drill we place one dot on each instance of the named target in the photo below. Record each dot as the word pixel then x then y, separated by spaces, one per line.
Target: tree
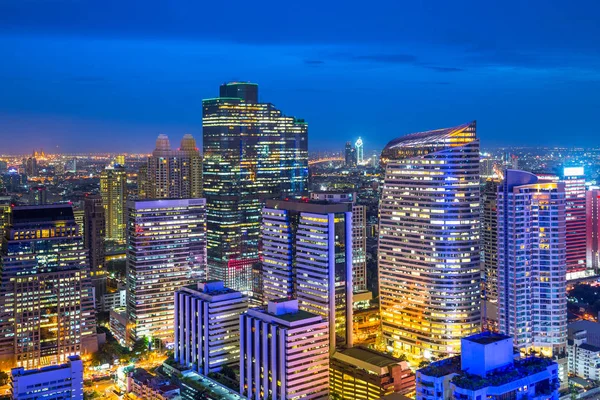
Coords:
pixel 3 378
pixel 424 364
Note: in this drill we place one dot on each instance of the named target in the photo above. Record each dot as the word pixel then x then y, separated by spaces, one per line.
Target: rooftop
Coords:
pixel 487 338
pixel 443 367
pixel 46 213
pixel 455 133
pixel 370 356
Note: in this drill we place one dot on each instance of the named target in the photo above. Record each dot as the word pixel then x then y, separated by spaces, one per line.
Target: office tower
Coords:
pixel 358 146
pixel 284 353
pixel 364 374
pixel 592 209
pixel 3 166
pixel 37 196
pixel 119 159
pixel 63 381
pixel 166 250
pixel 143 185
pixel 172 174
pixel 93 239
pixel 207 326
pixel 429 272
pixel 5 213
pixel 574 180
pixel 489 254
pixel 350 155
pixel 30 166
pixel 113 188
pixel 359 235
pixel 486 369
pixel 46 295
pixel 532 305
pixel 307 255
pixel 252 152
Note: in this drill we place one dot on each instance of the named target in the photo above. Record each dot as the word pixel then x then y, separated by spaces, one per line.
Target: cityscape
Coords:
pixel 276 251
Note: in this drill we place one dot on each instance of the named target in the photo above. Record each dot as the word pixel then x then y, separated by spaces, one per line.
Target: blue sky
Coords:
pixel 112 76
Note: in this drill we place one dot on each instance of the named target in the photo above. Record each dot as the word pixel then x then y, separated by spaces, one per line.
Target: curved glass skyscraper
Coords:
pixel 429 241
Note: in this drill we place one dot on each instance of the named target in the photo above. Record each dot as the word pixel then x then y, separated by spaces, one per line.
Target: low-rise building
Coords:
pixel 118 325
pixel 150 387
pixel 584 358
pixel 114 299
pixel 53 383
pixel 486 369
pixel 207 326
pixel 361 373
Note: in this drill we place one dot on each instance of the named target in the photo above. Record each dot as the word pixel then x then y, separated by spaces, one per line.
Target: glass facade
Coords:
pixel 113 188
pixel 252 152
pixel 429 250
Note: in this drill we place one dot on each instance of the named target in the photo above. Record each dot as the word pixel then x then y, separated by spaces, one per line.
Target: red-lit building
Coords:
pixel 593 228
pixel 574 180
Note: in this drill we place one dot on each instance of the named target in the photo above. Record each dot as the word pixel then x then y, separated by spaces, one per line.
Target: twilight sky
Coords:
pixel 112 75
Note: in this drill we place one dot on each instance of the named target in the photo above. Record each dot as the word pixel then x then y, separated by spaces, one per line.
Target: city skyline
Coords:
pixel 82 86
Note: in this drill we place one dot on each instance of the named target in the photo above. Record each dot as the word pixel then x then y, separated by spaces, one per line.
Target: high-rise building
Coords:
pixel 350 155
pixel 592 210
pixel 172 173
pixel 5 213
pixel 429 271
pixel 56 382
pixel 30 166
pixel 532 305
pixel 113 188
pixel 489 254
pixel 46 296
pixel 37 196
pixel 93 239
pixel 284 353
pixel 166 250
pixel 359 235
pixel 307 255
pixel 252 152
pixel 358 148
pixel 207 326
pixel 574 179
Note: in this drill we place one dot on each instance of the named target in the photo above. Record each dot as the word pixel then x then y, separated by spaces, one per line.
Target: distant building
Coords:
pixel 364 374
pixel 359 234
pixel 359 150
pixel 46 295
pixel 63 381
pixel 575 210
pixel 252 152
pixel 532 305
pixel 429 280
pixel 284 353
pixel 593 229
pixel 486 369
pixel 5 213
pixel 30 166
pixel 113 188
pixel 307 255
pixel 584 358
pixel 350 155
pixel 207 326
pixel 166 250
pixel 172 173
pixel 38 196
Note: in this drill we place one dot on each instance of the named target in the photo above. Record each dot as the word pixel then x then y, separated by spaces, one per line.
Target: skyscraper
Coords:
pixel 359 234
pixel 307 255
pixel 166 250
pixel 489 253
pixel 172 174
pixel 284 353
pixel 429 270
pixel 593 228
pixel 532 304
pixel 350 155
pixel 358 146
pixel 207 326
pixel 252 152
pixel 46 295
pixel 113 188
pixel 93 239
pixel 574 180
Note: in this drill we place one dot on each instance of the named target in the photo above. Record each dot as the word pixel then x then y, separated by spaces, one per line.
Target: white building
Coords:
pixel 284 353
pixel 532 306
pixel 207 326
pixel 53 383
pixel 114 299
pixel 486 369
pixel 429 247
pixel 166 249
pixel 359 235
pixel 307 255
pixel 359 148
pixel 584 358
